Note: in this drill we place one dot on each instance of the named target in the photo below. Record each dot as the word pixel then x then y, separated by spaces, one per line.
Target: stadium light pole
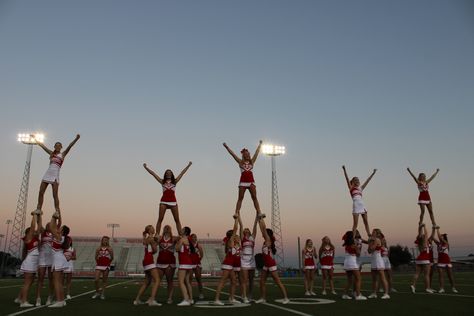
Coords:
pixel 1 239
pixel 113 226
pixel 14 246
pixel 274 151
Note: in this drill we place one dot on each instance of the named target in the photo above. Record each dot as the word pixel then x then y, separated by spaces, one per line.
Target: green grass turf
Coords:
pixel 119 300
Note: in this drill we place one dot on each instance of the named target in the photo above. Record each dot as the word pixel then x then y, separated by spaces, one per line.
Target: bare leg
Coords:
pixel 374 280
pixel 355 218
pixel 263 287
pixel 422 213
pixel 39 285
pixel 366 223
pixel 349 285
pixel 56 196
pixel 311 279
pixel 161 216
pixel 105 278
pixel 325 275
pixel 358 281
pixel 156 283
pixel 146 282
pixel 169 280
pixel 58 285
pixel 182 276
pixel 383 280
pixel 28 281
pixel 426 271
pixel 220 285
pixel 331 280
pixel 441 278
pixel 277 280
pixel 97 280
pixel 239 200
pixel 244 277
pixel 189 286
pixel 233 285
pixel 43 187
pixel 306 280
pixel 253 194
pixel 175 212
pixel 430 211
pixel 450 276
pixel 68 280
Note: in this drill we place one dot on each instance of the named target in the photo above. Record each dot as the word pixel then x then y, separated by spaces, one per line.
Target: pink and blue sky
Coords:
pixel 368 84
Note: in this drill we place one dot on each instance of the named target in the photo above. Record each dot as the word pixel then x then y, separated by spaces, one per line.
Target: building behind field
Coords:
pixel 128 256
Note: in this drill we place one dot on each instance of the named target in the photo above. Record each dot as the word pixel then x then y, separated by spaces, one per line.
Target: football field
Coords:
pixel 121 293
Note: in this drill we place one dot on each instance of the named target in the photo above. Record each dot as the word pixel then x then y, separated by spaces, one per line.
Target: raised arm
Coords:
pixel 239 161
pixel 241 227
pixel 368 179
pixel 438 233
pixel 257 151
pixel 412 175
pixel 263 229
pixel 183 172
pixel 254 230
pixel 347 177
pixel 236 225
pixel 46 149
pixel 70 145
pixel 55 227
pixel 31 232
pixel 433 176
pixel 157 177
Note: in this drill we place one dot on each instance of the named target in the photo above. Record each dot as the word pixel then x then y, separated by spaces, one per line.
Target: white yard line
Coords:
pixel 10 286
pixel 268 304
pixel 75 296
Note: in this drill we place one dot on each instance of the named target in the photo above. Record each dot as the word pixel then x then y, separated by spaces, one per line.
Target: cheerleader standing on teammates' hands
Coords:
pixel 151 272
pixel 168 200
pixel 232 249
pixel 247 258
pixel 270 267
pixel 424 198
pixel 377 264
pixel 326 260
pixel 309 256
pixel 444 261
pixel 197 267
pixel 29 266
pixel 56 159
pixel 423 260
pixel 358 206
pixel 352 267
pixel 104 255
pixel 166 261
pixel 185 248
pixel 247 181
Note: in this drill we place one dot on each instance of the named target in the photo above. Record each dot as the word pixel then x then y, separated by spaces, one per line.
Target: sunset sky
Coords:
pixel 369 84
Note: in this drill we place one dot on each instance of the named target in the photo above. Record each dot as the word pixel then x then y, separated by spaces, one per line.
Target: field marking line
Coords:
pixel 10 286
pixel 75 296
pixel 267 304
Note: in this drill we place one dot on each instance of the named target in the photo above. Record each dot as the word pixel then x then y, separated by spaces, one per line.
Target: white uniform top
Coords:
pixel 52 174
pixel 358 206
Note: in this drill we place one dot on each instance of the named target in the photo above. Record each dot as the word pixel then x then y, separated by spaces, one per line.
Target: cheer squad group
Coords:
pixel 48 249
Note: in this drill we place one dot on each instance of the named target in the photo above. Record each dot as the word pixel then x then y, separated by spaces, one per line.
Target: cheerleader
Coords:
pixel 70 255
pixel 232 251
pixel 377 264
pixel 358 207
pixel 247 181
pixel 166 261
pixel 444 261
pixel 309 255
pixel 352 267
pixel 326 260
pixel 104 255
pixel 61 242
pixel 45 262
pixel 149 266
pixel 56 159
pixel 185 248
pixel 247 272
pixel 424 198
pixel 29 265
pixel 387 264
pixel 423 259
pixel 168 200
pixel 270 267
pixel 197 267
